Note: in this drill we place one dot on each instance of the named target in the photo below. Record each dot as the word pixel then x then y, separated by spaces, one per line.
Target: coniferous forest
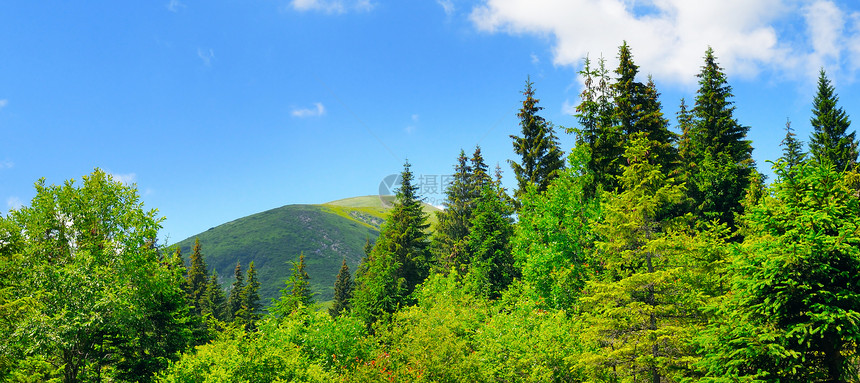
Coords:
pixel 652 251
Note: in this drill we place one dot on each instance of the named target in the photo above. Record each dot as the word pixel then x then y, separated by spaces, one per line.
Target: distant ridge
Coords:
pixel 327 234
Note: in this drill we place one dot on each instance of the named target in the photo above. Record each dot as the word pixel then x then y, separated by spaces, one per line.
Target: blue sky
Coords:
pixel 220 109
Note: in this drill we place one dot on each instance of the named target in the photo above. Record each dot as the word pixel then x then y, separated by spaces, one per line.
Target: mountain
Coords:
pixel 273 239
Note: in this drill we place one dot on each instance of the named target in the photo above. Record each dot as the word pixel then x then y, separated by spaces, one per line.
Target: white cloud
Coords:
pixel 413 126
pixel 128 178
pixel 206 55
pixel 535 59
pixel 14 203
pixel 568 108
pixel 175 6
pixel 3 103
pixel 316 111
pixel 331 6
pixel 6 164
pixel 447 6
pixel 669 37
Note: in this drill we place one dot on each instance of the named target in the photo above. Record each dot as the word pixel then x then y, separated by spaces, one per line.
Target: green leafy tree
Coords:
pixel 792 312
pixel 343 286
pixel 234 302
pixel 538 147
pixel 830 142
pixel 104 305
pixel 552 242
pixel 719 161
pixel 400 260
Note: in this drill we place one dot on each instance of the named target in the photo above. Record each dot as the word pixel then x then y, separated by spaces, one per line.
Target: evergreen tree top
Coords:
pixel 830 141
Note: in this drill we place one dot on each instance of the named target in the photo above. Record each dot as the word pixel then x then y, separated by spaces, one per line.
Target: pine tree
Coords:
pixel 298 291
pixel 234 302
pixel 213 303
pixel 479 176
pixel 251 299
pixel 830 143
pixel 491 268
pixel 721 156
pixel 792 149
pixel 538 147
pixel 447 245
pixel 198 276
pixel 598 131
pixel 635 308
pixel 342 291
pixel 399 261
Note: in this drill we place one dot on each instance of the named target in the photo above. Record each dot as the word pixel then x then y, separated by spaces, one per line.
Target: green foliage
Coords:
pixel 718 156
pixel 91 295
pixel 792 150
pixel 343 287
pixel 538 147
pixel 491 267
pixel 234 302
pixel 448 241
pixel 197 278
pixel 399 261
pixel 251 299
pixel 297 294
pixel 599 132
pixel 830 142
pixel 794 306
pixel 552 240
pixel 638 311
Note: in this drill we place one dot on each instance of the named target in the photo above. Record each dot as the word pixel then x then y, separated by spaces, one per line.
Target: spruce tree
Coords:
pixel 198 276
pixel 342 291
pixel 538 147
pixel 447 245
pixel 491 268
pixel 830 142
pixel 298 291
pixel 400 260
pixel 792 149
pixel 213 302
pixel 721 156
pixel 251 298
pixel 234 302
pixel 598 131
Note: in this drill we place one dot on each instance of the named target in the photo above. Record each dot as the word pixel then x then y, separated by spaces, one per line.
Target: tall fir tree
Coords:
pixel 491 268
pixel 830 142
pixel 792 149
pixel 447 244
pixel 720 161
pixel 342 291
pixel 635 308
pixel 234 302
pixel 400 260
pixel 251 298
pixel 197 277
pixel 598 131
pixel 213 303
pixel 538 147
pixel 298 291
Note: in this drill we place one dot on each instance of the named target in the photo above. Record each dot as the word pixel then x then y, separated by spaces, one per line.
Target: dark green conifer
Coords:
pixel 830 142
pixel 491 269
pixel 342 291
pixel 720 152
pixel 447 245
pixel 198 276
pixel 213 303
pixel 538 147
pixel 598 131
pixel 792 149
pixel 297 293
pixel 400 260
pixel 234 302
pixel 251 298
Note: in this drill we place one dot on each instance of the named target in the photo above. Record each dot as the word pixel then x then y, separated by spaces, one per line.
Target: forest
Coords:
pixel 652 251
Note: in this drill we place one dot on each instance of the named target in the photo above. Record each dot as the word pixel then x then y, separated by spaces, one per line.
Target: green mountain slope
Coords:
pixel 273 239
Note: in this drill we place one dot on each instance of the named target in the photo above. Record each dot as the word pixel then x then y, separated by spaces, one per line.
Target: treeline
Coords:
pixel 647 254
